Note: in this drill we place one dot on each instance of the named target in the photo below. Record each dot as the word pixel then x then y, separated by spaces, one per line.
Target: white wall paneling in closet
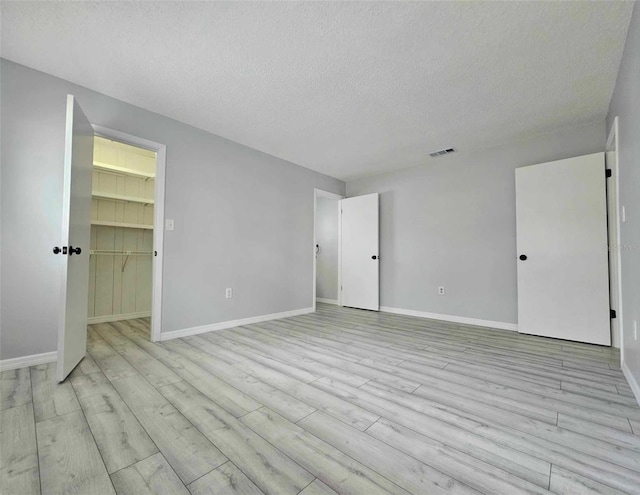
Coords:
pixel 120 276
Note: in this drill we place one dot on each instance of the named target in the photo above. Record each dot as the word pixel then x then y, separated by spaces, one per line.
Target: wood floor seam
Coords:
pixel 35 432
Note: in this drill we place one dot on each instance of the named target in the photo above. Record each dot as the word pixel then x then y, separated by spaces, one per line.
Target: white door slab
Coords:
pixel 360 259
pixel 76 229
pixel 563 285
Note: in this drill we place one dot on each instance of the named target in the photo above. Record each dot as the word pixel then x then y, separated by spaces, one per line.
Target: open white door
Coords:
pixel 360 260
pixel 76 229
pixel 563 279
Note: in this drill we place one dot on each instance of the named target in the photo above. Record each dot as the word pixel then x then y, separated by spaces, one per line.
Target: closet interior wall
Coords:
pixel 120 274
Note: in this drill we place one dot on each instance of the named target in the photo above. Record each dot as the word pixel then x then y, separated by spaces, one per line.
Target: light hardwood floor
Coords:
pixel 339 401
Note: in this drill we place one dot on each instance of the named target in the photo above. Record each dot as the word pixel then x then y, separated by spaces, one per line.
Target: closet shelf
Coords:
pixel 121 224
pixel 123 170
pixel 121 197
pixel 113 252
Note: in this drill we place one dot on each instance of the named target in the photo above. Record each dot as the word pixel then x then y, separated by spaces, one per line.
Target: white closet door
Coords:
pixel 563 278
pixel 76 229
pixel 360 260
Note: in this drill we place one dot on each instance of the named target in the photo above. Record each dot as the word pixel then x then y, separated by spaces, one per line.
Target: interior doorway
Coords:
pixel 127 231
pixel 327 248
pixel 121 242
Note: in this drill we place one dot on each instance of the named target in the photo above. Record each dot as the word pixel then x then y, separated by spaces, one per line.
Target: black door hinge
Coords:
pixel 607 172
pixel 612 313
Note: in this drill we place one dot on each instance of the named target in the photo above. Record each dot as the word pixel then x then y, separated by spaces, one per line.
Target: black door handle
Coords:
pixel 57 250
pixel 374 257
pixel 73 250
pixel 523 257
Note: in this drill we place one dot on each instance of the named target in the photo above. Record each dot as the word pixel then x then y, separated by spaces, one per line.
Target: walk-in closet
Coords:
pixel 120 274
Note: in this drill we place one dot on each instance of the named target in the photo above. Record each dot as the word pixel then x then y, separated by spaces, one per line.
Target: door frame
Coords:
pixel 158 217
pixel 319 193
pixel 613 215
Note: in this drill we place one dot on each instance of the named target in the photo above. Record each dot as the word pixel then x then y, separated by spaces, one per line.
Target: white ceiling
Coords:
pixel 345 88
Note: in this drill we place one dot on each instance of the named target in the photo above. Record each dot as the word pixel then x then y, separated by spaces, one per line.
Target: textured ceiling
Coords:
pixel 345 88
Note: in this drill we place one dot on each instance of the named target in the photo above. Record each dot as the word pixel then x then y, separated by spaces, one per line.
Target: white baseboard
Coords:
pixel 128 316
pixel 186 332
pixel 327 301
pixel 453 319
pixel 26 361
pixel 633 383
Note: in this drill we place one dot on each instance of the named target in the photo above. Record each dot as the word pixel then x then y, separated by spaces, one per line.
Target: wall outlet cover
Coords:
pixel 169 224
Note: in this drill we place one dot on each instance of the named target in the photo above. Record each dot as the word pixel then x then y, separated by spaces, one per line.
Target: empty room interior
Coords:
pixel 319 248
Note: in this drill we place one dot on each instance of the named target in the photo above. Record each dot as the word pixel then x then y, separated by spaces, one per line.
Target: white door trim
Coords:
pixel 613 146
pixel 319 193
pixel 158 217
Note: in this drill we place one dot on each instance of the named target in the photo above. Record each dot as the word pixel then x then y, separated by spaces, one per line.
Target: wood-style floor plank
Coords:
pixel 606 434
pixel 281 402
pixel 190 454
pixel 449 428
pixel 150 476
pixel 18 451
pixel 580 454
pixel 480 475
pixel 272 471
pixel 565 482
pixel 69 459
pixel 331 466
pixel 156 373
pixel 118 434
pixel 230 398
pixel 624 390
pixel 342 410
pixel 347 367
pixel 15 388
pixel 50 398
pixel 396 466
pixel 112 364
pixel 280 349
pixel 85 367
pixel 225 480
pixel 317 488
pixel 431 380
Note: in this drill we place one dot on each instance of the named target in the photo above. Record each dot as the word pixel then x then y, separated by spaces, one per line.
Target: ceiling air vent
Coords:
pixel 438 153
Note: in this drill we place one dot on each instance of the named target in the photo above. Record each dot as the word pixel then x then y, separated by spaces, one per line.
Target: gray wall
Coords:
pixel 452 222
pixel 626 105
pixel 327 239
pixel 243 219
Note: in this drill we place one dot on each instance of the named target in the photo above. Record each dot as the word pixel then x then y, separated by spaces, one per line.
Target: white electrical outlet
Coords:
pixel 228 293
pixel 169 224
pixel 441 291
pixel 635 330
pixel 624 214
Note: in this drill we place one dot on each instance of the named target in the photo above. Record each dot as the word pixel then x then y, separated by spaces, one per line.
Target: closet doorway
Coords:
pixel 127 211
pixel 327 248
